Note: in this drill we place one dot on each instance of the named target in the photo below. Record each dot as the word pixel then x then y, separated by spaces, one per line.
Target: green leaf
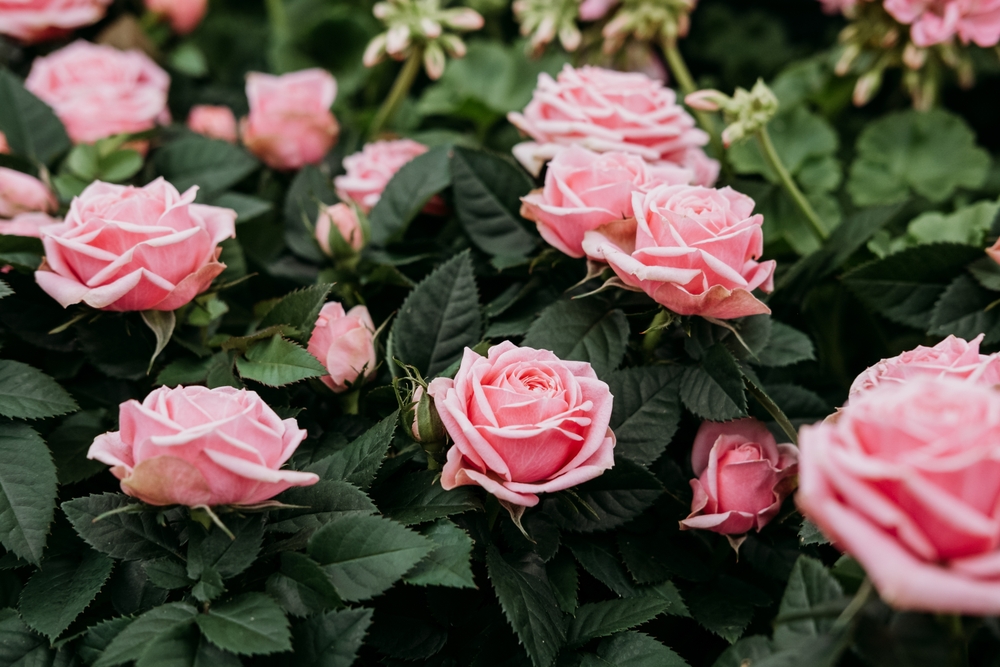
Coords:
pixel 213 549
pixel 785 346
pixel 810 586
pixel 800 138
pixel 310 188
pixel 600 619
pixel 5 289
pixel 97 638
pixel 646 411
pixel 301 587
pixel 530 607
pixel 120 166
pixel 965 309
pixel 27 393
pixel 132 642
pixel 810 534
pixel 185 647
pixel 358 462
pixel 19 646
pixel 213 165
pixel 21 251
pixel 60 591
pixel 247 207
pixel 331 640
pixel 600 559
pixel 322 502
pixel 251 624
pixel 276 362
pixel 161 323
pixel 71 441
pixel 714 388
pixel 124 535
pixel 488 191
pixel 932 153
pixel 28 488
pixel 634 649
pixel 725 607
pixel 365 555
pixel 298 309
pixel 419 497
pixel 408 192
pixel 166 573
pixel 747 651
pixel 969 225
pixel 31 127
pixel 607 502
pixel 450 564
pixel 439 319
pixel 564 580
pixel 581 330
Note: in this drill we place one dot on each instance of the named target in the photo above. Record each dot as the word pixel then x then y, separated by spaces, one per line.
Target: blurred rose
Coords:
pixel 837 6
pixel 371 169
pixel 290 124
pixel 215 122
pixel 23 193
pixel 345 220
pixel 39 20
pixel 184 15
pixel 938 22
pixel 196 446
pixel 4 146
pixel 692 249
pixel 994 252
pixel 127 248
pixel 595 10
pixel 98 91
pixel 524 422
pixel 27 224
pixel 345 344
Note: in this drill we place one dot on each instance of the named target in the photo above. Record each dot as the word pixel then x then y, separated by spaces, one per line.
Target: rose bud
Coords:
pixel 344 220
pixel 184 15
pixel 426 426
pixel 743 477
pixel 125 248
pixel 27 224
pixel 524 422
pixel 23 193
pixel 371 169
pixel 290 124
pixel 32 21
pixel 345 344
pixel 215 122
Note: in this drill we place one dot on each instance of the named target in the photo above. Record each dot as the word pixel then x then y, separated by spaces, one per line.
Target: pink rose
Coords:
pixel 907 481
pixel 127 248
pixel 184 15
pixel 524 422
pixel 838 6
pixel 604 110
pixel 98 91
pixel 345 220
pixel 23 193
pixel 584 190
pixel 4 146
pixel 39 20
pixel 345 344
pixel 215 122
pixel 196 446
pixel 952 357
pixel 938 21
pixel 290 124
pixel 27 224
pixel 595 10
pixel 743 477
pixel 692 249
pixel 371 169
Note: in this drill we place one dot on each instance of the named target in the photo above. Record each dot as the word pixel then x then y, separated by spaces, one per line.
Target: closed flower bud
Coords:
pixel 434 60
pixel 426 427
pixel 375 51
pixel 454 45
pixel 569 36
pixel 431 29
pixel 397 40
pixel 463 18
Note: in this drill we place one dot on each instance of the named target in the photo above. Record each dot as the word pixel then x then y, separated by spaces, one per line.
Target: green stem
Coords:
pixel 771 155
pixel 278 18
pixel 349 401
pixel 655 332
pixel 773 410
pixel 687 85
pixel 859 601
pixel 400 89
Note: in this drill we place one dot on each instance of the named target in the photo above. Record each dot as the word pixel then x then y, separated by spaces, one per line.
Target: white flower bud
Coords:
pixel 375 51
pixel 434 60
pixel 397 40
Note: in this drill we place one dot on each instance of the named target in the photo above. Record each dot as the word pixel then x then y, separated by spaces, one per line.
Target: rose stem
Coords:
pixel 400 89
pixel 349 401
pixel 687 85
pixel 859 601
pixel 280 29
pixel 773 409
pixel 771 155
pixel 654 333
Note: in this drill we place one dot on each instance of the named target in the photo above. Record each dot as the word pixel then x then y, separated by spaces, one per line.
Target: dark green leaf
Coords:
pixel 358 462
pixel 213 549
pixel 564 580
pixel 600 559
pixel 810 534
pixel 298 309
pixel 810 585
pixel 166 573
pixel 310 188
pixel 600 619
pixel 450 564
pixel 5 289
pixel 31 127
pixel 97 638
pixel 252 624
pixel 582 330
pixel 714 388
pixel 321 502
pixel 301 586
pixel 71 441
pixel 19 645
pixel 726 607
pixel 132 642
pixel 408 192
pixel 747 651
pixel 60 591
pixel 333 639
pixel 247 208
pixel 965 310
pixel 27 393
pixel 634 649
pixel 646 411
pixel 125 535
pixel 607 502
pixel 276 362
pixel 28 488
pixel 213 165
pixel 185 647
pixel 419 497
pixel 785 346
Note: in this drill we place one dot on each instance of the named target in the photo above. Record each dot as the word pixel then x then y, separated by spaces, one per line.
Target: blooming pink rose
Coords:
pixel 27 224
pixel 604 110
pixel 345 220
pixel 98 91
pixel 184 15
pixel 595 10
pixel 345 344
pixel 907 480
pixel 743 477
pixel 524 422
pixel 128 248
pixel 39 20
pixel 23 193
pixel 215 122
pixel 290 124
pixel 196 446
pixel 692 249
pixel 937 21
pixel 371 169
pixel 952 357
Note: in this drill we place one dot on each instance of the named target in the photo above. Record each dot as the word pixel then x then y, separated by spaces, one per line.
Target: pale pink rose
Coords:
pixel 692 249
pixel 345 344
pixel 4 146
pixel 290 124
pixel 743 477
pixel 595 10
pixel 907 481
pixel 27 224
pixel 938 21
pixel 524 422
pixel 23 193
pixel 98 91
pixel 584 190
pixel 196 446
pixel 126 248
pixel 215 122
pixel 33 21
pixel 184 15
pixel 345 220
pixel 371 169
pixel 604 110
pixel 952 357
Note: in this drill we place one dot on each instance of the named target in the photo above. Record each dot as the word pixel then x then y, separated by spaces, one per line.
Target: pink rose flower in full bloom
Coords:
pixel 937 21
pixel 184 15
pixel 215 122
pixel 23 193
pixel 692 249
pixel 196 446
pixel 345 344
pixel 524 422
pixel 743 477
pixel 952 357
pixel 290 124
pixel 126 248
pixel 27 224
pixel 584 190
pixel 38 20
pixel 98 91
pixel 604 110
pixel 371 169
pixel 907 481
pixel 345 220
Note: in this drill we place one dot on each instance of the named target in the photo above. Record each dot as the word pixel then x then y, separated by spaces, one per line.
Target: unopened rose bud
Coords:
pixel 706 100
pixel 338 230
pixel 434 60
pixel 426 426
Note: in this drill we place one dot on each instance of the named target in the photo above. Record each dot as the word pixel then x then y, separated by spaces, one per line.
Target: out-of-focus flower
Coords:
pixel 215 122
pixel 746 112
pixel 344 219
pixel 370 170
pixel 544 20
pixel 23 193
pixel 39 20
pixel 595 10
pixel 184 15
pixel 27 224
pixel 646 21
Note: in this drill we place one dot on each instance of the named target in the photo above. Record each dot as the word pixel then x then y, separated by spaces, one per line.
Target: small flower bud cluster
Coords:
pixel 544 20
pixel 646 21
pixel 424 25
pixel 746 112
